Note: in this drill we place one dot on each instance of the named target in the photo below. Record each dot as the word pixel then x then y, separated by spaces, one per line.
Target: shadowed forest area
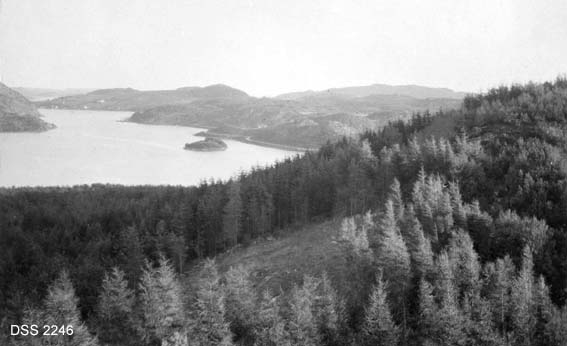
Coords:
pixel 453 226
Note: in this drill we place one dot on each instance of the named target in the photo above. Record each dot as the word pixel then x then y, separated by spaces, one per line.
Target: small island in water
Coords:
pixel 207 144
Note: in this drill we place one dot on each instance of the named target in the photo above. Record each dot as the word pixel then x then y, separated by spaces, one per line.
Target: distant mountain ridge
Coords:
pixel 42 94
pixel 415 91
pixel 18 114
pixel 301 120
pixel 128 99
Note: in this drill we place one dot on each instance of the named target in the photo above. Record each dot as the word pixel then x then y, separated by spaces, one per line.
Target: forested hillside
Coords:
pixel 452 227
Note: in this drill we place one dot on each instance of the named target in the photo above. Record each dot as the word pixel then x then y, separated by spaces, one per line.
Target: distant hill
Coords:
pixel 17 114
pixel 415 91
pixel 42 94
pixel 303 123
pixel 300 120
pixel 127 99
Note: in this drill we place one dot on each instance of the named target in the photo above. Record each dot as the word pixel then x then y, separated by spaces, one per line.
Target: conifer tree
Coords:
pixel 391 252
pixel 444 280
pixel 393 258
pixel 379 327
pixel 499 277
pixel 162 304
pixel 418 244
pixel 232 215
pixel 555 330
pixel 427 322
pixel 459 211
pixel 449 318
pixel 270 329
pixel 329 312
pixel 116 315
pixel 544 311
pixel 302 324
pixel 240 302
pixel 465 263
pixel 61 310
pixel 478 324
pixel 395 196
pixel 209 326
pixel 522 300
pixel 354 231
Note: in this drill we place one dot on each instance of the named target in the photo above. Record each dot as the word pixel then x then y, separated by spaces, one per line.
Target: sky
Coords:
pixel 269 47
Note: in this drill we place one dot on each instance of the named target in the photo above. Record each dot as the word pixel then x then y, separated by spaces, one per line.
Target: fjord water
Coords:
pixel 95 147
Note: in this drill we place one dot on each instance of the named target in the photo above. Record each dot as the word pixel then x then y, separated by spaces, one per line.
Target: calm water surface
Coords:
pixel 94 147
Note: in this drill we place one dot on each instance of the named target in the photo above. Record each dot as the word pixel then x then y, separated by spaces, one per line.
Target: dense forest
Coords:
pixel 455 224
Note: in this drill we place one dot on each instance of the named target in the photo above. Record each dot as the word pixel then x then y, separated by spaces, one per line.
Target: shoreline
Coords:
pixel 248 140
pixel 205 132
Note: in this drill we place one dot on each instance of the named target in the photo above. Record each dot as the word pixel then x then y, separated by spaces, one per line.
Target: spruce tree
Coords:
pixel 329 310
pixel 391 252
pixel 232 215
pixel 428 317
pixel 522 299
pixel 555 330
pixel 392 257
pixel 270 329
pixel 395 196
pixel 61 310
pixel 209 326
pixel 459 211
pixel 116 315
pixel 162 303
pixel 240 302
pixel 302 323
pixel 477 320
pixel 379 327
pixel 418 244
pixel 544 311
pixel 499 277
pixel 465 263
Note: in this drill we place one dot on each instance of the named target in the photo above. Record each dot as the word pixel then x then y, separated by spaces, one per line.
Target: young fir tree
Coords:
pixel 391 252
pixel 302 324
pixel 232 215
pixel 449 328
pixel 395 195
pixel 270 329
pixel 240 303
pixel 459 211
pixel 522 301
pixel 379 327
pixel 329 313
pixel 543 311
pixel 418 244
pixel 162 304
pixel 478 324
pixel 61 310
pixel 393 258
pixel 209 326
pixel 465 264
pixel 444 280
pixel 116 316
pixel 555 330
pixel 498 279
pixel 428 317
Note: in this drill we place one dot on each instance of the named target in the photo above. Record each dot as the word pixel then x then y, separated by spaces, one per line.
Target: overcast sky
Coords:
pixel 269 47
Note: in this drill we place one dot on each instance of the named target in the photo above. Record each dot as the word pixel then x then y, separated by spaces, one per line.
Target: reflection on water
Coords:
pixel 94 147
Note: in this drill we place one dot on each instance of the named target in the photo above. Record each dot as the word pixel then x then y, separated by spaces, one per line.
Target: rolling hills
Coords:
pixel 300 120
pixel 17 114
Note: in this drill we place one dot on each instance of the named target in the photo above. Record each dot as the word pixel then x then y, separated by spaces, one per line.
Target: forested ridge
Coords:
pixel 455 224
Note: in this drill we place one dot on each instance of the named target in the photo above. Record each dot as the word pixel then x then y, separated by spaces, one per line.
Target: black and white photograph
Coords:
pixel 283 173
